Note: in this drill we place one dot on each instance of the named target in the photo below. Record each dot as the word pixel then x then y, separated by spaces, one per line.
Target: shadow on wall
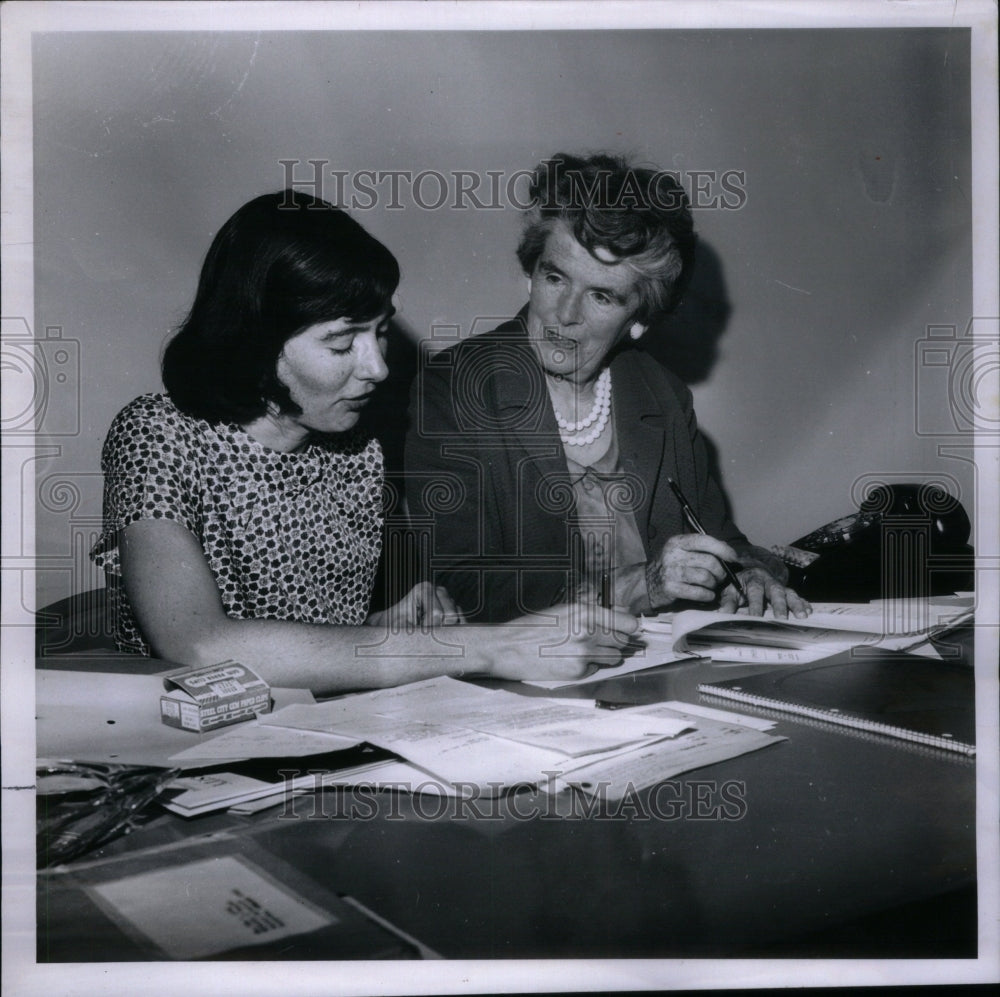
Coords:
pixel 686 341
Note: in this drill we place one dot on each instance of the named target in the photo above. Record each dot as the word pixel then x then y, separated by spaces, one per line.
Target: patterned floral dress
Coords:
pixel 288 536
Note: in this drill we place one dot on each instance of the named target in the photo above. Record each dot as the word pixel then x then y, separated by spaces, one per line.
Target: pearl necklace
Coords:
pixel 598 416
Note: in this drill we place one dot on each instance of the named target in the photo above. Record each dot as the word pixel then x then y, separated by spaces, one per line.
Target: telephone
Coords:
pixel 905 540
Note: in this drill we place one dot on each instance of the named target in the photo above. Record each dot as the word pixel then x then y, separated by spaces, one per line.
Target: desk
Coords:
pixel 837 827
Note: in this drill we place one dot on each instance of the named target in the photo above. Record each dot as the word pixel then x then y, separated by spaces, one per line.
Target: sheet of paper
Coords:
pixel 210 906
pixel 432 714
pixel 249 807
pixel 191 795
pixel 748 654
pixel 194 794
pixel 628 771
pixel 464 756
pixel 658 651
pixel 692 713
pixel 558 775
pixel 394 774
pixel 889 616
pixel 390 775
pixel 429 699
pixel 432 700
pixel 711 629
pixel 662 623
pixel 925 649
pixel 548 723
pixel 651 716
pixel 693 716
pixel 451 753
pixel 256 740
pixel 770 656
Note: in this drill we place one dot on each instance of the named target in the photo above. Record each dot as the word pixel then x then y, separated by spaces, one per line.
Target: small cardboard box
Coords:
pixel 204 698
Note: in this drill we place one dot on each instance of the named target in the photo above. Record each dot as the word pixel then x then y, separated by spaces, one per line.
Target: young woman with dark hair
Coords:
pixel 243 508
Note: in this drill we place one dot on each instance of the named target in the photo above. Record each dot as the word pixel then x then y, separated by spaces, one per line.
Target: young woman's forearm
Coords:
pixel 177 605
pixel 328 659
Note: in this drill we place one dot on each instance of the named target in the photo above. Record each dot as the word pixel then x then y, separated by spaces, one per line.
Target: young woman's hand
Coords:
pixel 423 606
pixel 568 642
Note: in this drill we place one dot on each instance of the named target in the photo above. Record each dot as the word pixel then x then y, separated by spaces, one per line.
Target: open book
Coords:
pixel 832 627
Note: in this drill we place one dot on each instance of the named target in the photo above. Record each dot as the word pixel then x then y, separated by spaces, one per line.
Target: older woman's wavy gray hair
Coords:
pixel 619 213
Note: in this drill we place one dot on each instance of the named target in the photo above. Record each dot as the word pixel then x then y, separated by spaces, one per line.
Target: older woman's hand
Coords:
pixel 423 606
pixel 688 567
pixel 763 590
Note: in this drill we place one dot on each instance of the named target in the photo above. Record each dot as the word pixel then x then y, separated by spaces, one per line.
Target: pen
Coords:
pixel 606 597
pixel 698 528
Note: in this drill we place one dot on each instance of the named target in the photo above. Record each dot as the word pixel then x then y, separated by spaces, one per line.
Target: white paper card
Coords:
pixel 210 906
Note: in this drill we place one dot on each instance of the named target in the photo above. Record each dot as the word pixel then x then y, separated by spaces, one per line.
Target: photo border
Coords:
pixel 20 972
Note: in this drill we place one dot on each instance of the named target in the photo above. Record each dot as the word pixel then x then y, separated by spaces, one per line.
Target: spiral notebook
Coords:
pixel 871 689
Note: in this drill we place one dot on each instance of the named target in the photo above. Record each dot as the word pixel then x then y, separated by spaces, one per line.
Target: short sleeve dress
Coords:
pixel 288 536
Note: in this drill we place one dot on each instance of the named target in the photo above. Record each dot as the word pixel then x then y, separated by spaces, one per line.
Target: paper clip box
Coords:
pixel 205 698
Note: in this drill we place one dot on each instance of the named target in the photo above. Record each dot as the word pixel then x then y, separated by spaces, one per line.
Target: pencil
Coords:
pixel 698 528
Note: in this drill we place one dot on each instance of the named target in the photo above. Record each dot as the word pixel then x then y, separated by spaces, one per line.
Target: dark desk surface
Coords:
pixel 837 827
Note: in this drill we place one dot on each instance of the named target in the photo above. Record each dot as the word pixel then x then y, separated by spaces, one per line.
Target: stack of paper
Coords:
pixel 194 794
pixel 464 734
pixel 453 738
pixel 712 736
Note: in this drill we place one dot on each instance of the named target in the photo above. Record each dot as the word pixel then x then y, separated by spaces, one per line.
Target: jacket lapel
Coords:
pixel 641 429
pixel 534 446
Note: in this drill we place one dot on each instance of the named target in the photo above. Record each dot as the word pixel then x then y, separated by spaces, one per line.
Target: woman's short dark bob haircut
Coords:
pixel 619 213
pixel 283 262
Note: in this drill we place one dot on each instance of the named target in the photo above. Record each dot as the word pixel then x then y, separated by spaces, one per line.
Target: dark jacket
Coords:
pixel 486 479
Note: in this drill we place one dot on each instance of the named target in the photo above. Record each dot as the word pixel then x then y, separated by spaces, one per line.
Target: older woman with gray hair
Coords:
pixel 553 458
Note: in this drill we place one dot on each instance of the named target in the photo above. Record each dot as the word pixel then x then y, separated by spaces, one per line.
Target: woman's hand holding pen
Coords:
pixel 568 642
pixel 690 566
pixel 678 567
